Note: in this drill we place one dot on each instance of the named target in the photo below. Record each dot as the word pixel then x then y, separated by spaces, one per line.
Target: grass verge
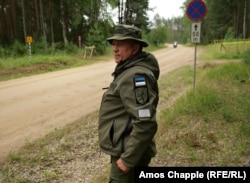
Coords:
pixel 16 67
pixel 209 126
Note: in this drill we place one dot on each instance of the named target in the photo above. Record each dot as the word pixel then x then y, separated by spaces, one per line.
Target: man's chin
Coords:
pixel 118 59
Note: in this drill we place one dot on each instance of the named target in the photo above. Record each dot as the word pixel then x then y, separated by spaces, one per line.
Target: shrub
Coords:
pixel 246 57
pixel 3 52
pixel 157 36
pixel 71 48
pixel 18 49
pixel 40 47
pixel 96 38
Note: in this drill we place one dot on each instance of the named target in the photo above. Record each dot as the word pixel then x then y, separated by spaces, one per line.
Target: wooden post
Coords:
pixel 80 42
pixel 91 48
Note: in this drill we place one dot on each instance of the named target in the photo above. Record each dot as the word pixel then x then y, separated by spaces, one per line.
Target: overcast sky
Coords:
pixel 166 8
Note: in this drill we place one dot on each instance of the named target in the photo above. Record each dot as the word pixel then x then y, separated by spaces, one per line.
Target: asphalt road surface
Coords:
pixel 31 107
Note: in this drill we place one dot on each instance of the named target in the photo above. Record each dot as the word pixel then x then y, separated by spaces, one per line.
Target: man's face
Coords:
pixel 123 49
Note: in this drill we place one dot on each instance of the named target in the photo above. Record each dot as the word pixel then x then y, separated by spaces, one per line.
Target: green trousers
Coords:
pixel 118 176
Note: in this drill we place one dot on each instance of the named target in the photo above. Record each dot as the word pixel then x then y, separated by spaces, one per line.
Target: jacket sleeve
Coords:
pixel 139 94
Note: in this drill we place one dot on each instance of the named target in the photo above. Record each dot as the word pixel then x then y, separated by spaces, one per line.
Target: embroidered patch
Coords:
pixel 112 86
pixel 141 95
pixel 140 81
pixel 144 113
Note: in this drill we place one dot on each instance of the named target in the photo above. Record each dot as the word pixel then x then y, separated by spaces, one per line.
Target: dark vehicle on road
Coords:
pixel 175 44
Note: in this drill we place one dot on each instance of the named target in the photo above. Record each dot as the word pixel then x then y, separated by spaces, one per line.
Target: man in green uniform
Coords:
pixel 127 118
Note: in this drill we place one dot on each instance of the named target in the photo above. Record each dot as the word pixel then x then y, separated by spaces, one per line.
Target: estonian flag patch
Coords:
pixel 140 81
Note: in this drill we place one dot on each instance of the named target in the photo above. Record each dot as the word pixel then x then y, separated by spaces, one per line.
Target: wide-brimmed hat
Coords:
pixel 123 32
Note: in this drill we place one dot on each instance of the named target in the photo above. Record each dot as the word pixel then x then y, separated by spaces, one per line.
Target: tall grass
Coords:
pixel 210 126
pixel 228 51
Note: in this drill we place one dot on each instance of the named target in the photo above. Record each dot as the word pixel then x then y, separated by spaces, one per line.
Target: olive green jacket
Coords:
pixel 127 118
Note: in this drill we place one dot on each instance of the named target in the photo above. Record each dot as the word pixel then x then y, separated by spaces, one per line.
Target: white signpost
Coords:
pixel 196 32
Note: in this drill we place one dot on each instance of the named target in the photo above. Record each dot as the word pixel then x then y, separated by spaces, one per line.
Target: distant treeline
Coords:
pixel 87 22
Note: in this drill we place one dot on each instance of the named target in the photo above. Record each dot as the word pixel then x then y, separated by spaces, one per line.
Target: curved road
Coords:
pixel 31 107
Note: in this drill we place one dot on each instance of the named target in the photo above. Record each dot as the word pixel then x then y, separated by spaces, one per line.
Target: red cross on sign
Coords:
pixel 196 10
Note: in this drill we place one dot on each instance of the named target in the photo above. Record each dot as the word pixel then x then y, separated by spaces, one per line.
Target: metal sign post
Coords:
pixel 196 11
pixel 29 41
pixel 195 38
pixel 195 51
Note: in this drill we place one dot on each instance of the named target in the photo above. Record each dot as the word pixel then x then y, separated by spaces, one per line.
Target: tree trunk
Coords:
pixel 13 19
pixel 37 16
pixel 24 21
pixel 42 20
pixel 244 20
pixel 63 24
pixel 51 24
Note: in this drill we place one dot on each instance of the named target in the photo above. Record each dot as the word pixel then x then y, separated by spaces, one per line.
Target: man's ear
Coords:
pixel 136 48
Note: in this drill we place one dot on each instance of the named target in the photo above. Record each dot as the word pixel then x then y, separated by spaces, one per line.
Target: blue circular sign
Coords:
pixel 196 10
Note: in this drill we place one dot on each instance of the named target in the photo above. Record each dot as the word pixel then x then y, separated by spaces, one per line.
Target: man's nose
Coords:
pixel 115 48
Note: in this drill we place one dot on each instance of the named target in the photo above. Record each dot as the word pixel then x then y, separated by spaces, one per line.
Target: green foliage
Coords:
pixel 3 52
pixel 135 13
pixel 209 126
pixel 40 47
pixel 18 49
pixel 157 36
pixel 15 156
pixel 15 67
pixel 71 48
pixel 221 94
pixel 96 38
pixel 79 16
pixel 202 102
pixel 246 57
pixel 234 50
pixel 230 34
